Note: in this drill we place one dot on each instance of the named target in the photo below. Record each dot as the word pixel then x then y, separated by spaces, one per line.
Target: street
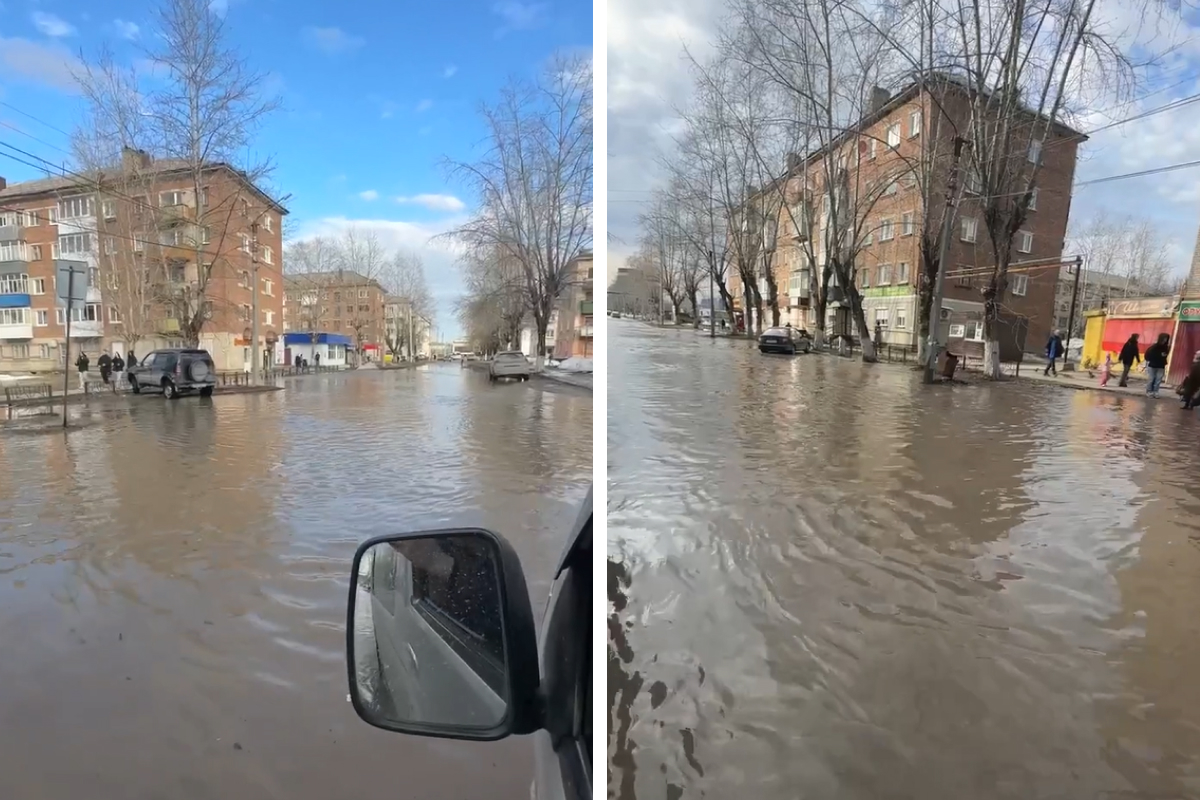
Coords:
pixel 173 580
pixel 827 580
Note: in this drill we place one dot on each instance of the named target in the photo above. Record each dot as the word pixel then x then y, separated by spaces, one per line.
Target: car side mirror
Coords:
pixel 440 637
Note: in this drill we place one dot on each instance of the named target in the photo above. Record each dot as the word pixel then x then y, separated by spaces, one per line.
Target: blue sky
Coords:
pixel 375 94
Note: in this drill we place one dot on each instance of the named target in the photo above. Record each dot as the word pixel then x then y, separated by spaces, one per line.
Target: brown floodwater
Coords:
pixel 173 581
pixel 828 581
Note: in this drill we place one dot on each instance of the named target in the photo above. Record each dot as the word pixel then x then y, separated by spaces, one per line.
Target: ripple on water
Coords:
pixel 828 581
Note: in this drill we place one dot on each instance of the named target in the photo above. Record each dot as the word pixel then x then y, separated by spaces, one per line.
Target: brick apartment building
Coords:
pixel 137 231
pixel 902 130
pixel 576 306
pixel 340 301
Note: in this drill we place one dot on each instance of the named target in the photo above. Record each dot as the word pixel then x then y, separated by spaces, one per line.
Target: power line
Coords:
pixel 35 119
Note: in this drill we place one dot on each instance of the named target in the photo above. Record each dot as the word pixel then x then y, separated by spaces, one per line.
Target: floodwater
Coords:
pixel 828 581
pixel 173 581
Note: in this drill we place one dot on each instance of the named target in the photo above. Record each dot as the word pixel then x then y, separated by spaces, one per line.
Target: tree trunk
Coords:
pixel 727 299
pixel 860 321
pixel 925 283
pixel 693 295
pixel 773 297
pixel 820 296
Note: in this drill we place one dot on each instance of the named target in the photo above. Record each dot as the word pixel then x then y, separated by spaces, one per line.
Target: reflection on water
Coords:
pixel 173 581
pixel 828 581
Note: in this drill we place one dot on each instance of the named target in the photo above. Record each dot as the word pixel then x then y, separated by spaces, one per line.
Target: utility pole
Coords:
pixel 255 355
pixel 67 343
pixel 1071 315
pixel 935 309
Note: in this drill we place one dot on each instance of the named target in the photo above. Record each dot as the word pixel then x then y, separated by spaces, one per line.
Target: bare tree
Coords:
pixel 309 263
pixel 409 300
pixel 535 183
pixel 204 109
pixel 361 253
pixel 1123 257
pixel 496 301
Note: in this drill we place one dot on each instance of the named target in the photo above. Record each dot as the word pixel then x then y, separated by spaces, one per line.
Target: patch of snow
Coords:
pixel 576 364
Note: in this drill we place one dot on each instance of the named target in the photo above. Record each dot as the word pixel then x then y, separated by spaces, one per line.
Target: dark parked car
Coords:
pixel 784 340
pixel 175 372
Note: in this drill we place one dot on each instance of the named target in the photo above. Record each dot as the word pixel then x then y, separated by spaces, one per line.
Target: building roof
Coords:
pixel 336 277
pixel 87 181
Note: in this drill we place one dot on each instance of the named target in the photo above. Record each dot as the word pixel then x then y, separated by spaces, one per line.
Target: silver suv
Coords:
pixel 175 372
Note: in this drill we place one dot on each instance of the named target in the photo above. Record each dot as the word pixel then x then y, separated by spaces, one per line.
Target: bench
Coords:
pixel 26 393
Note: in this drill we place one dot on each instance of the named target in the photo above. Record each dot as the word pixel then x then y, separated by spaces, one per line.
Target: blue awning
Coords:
pixel 301 338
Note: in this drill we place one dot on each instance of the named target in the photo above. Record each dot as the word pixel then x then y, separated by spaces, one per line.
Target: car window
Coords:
pixel 148 361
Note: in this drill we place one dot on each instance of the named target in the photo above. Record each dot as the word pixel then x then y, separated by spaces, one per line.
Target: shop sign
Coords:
pixel 1189 311
pixel 1142 307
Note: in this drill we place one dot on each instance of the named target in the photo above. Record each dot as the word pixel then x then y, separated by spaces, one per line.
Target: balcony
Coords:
pixel 14 252
pixel 15 300
pixel 585 307
pixel 11 233
pixel 167 325
pixel 18 331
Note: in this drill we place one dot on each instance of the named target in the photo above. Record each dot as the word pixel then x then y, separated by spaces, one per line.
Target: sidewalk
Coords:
pixel 582 380
pixel 1081 380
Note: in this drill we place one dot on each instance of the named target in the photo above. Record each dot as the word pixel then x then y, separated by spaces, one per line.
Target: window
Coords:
pixel 245 246
pixel 246 312
pixel 882 317
pixel 60 316
pixel 868 237
pixel 268 287
pixel 88 313
pixel 885 274
pixel 93 277
pixel 871 144
pixel 901 317
pixel 268 317
pixel 44 351
pixel 910 179
pixel 75 207
pixel 914 124
pixel 74 244
pixel 886 233
pixel 957 331
pixel 109 209
pixel 173 198
pixel 35 252
pixel 1019 285
pixel 267 223
pixel 204 196
pixel 37 286
pixel 1035 151
pixel 963 277
pixel 244 279
pixel 902 272
pixel 20 351
pixel 114 315
pixel 139 244
pixel 205 235
pixel 866 278
pixel 906 223
pixel 1024 241
pixel 892 188
pixel 1033 200
pixel 110 246
pixel 14 316
pixel 266 255
pixel 893 135
pixel 969 229
pixel 14 284
pixel 362 293
pixel 973 180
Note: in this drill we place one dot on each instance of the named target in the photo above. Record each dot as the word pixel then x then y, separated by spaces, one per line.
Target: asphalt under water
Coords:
pixel 173 581
pixel 826 580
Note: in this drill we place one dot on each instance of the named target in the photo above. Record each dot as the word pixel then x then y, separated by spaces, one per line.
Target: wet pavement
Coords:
pixel 173 581
pixel 826 580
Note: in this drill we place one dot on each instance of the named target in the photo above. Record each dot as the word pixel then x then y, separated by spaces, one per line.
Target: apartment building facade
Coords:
pixel 340 301
pixel 400 324
pixel 577 307
pixel 162 248
pixel 878 159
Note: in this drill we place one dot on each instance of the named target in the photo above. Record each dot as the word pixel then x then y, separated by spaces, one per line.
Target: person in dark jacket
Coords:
pixel 1054 351
pixel 1156 363
pixel 118 364
pixel 104 362
pixel 81 364
pixel 1189 390
pixel 1130 354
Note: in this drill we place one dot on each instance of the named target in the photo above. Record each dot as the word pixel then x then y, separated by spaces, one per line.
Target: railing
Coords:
pixel 14 252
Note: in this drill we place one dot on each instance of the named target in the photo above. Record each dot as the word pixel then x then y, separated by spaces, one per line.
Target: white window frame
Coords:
pixel 968 230
pixel 79 243
pixel 14 284
pixel 75 207
pixel 958 331
pixel 114 316
pixel 44 352
pixel 267 255
pixel 245 247
pixel 108 209
pixel 893 135
pixel 1019 280
pixel 908 223
pixel 14 316
pixel 885 275
pixel 268 317
pixel 81 313
pixel 268 287
pixel 1033 199
pixel 60 316
pixel 172 197
pixel 20 351
pixel 914 124
pixel 886 230
pixel 977 334
pixel 1024 242
pixel 267 223
pixel 1035 150
pixel 35 252
pixel 902 273
pixel 37 286
pixel 871 148
pixel 901 318
pixel 883 315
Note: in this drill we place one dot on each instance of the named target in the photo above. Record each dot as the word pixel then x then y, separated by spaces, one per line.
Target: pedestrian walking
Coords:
pixel 317 360
pixel 1054 351
pixel 105 364
pixel 118 364
pixel 81 364
pixel 1106 370
pixel 1189 390
pixel 132 362
pixel 1129 355
pixel 1156 363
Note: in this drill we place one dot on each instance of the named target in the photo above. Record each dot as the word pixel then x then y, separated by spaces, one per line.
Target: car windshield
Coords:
pixel 510 357
pixel 775 332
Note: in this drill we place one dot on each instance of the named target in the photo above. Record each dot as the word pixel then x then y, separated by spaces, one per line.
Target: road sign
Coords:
pixel 63 281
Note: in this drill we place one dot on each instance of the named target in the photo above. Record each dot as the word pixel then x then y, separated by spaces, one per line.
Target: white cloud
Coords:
pixel 126 30
pixel 50 25
pixel 438 255
pixel 332 41
pixel 434 202
pixel 44 64
pixel 369 194
pixel 424 106
pixel 219 7
pixel 517 16
pixel 449 71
